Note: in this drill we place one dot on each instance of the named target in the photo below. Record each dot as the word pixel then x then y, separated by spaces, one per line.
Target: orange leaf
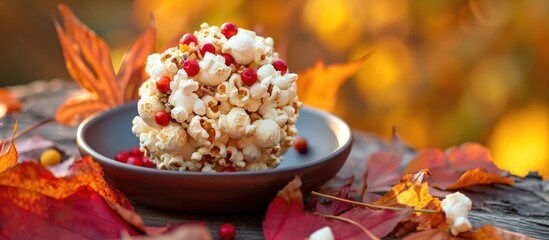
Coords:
pixel 458 167
pixel 318 86
pixel 488 232
pixel 132 69
pixel 478 176
pixel 8 102
pixel 412 192
pixel 35 177
pixel 10 158
pixel 433 234
pixel 76 109
pixel 88 58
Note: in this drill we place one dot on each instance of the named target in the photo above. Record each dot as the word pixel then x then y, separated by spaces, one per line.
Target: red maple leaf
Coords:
pixel 286 218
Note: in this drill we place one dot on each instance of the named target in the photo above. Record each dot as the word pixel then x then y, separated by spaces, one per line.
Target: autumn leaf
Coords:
pixel 286 218
pixel 458 167
pixel 383 171
pixel 84 214
pixel 486 232
pixel 318 86
pixel 412 192
pixel 335 207
pixel 33 176
pixel 9 158
pixel 88 60
pixel 8 102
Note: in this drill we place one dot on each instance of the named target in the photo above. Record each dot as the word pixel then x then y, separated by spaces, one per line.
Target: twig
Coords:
pixel 350 221
pixel 371 205
pixel 28 129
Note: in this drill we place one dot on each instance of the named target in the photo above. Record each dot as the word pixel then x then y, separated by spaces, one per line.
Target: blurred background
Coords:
pixel 444 72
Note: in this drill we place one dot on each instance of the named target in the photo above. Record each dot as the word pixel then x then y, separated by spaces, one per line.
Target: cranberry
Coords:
pixel 227 231
pixel 122 156
pixel 229 29
pixel 208 47
pixel 163 84
pixel 148 163
pixel 188 39
pixel 162 118
pixel 136 152
pixel 249 77
pixel 229 169
pixel 228 59
pixel 300 144
pixel 281 66
pixel 137 161
pixel 191 67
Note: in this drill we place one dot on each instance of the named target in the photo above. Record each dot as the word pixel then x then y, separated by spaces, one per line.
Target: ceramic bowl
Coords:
pixel 105 134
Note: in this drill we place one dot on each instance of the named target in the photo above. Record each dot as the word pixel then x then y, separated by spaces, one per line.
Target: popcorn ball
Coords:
pixel 220 101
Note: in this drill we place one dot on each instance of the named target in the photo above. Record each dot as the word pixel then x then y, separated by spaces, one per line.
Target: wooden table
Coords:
pixel 522 208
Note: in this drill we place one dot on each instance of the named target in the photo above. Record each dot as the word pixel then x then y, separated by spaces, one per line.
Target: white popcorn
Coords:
pixel 324 233
pixel 203 130
pixel 241 46
pixel 213 70
pixel 267 133
pixel 219 121
pixel 171 138
pixel 147 107
pixel 457 206
pixel 236 123
pixel 211 34
pixel 156 68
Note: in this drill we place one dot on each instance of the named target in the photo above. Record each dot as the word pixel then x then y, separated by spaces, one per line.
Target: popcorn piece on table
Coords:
pixel 456 207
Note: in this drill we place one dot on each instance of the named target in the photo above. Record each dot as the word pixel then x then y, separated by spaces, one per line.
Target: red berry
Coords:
pixel 135 161
pixel 191 67
pixel 188 39
pixel 163 84
pixel 162 118
pixel 228 59
pixel 229 169
pixel 227 231
pixel 208 47
pixel 281 66
pixel 249 76
pixel 229 29
pixel 136 152
pixel 300 144
pixel 122 156
pixel 148 163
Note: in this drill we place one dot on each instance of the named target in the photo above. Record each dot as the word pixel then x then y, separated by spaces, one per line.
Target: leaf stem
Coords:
pixel 350 221
pixel 28 129
pixel 368 205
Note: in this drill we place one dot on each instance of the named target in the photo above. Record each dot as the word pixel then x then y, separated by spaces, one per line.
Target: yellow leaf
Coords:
pixel 318 86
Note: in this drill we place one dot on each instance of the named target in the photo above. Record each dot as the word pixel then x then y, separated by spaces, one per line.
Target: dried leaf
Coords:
pixel 383 171
pixel 286 219
pixel 318 86
pixel 10 157
pixel 8 102
pixel 84 214
pixel 132 69
pixel 412 192
pixel 78 108
pixel 477 176
pixel 433 234
pixel 87 57
pixel 488 232
pixel 332 207
pixel 88 60
pixel 467 165
pixel 192 231
pixel 35 177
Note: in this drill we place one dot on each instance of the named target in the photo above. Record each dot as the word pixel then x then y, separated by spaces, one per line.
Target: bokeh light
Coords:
pixel 444 72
